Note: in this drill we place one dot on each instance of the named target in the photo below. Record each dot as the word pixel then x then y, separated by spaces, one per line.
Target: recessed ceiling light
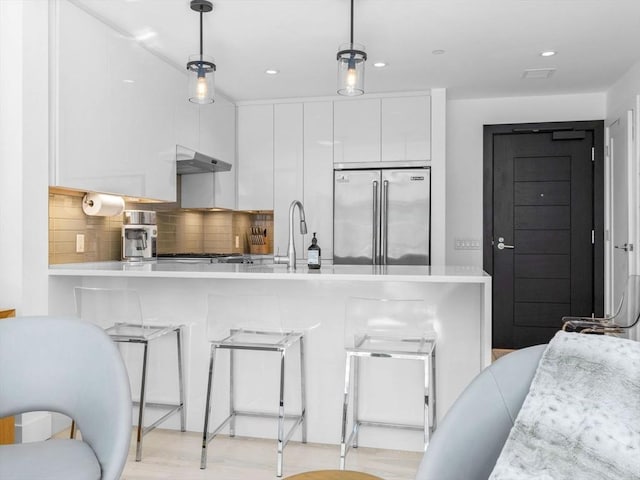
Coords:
pixel 438 52
pixel 548 53
pixel 379 64
pixel 271 71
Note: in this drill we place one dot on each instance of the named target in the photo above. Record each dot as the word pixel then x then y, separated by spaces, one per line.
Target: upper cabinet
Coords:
pixel 215 135
pixel 406 128
pixel 395 129
pixel 114 111
pixel 356 127
pixel 255 157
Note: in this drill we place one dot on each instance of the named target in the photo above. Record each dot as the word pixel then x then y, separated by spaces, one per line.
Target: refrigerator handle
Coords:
pixel 385 221
pixel 374 239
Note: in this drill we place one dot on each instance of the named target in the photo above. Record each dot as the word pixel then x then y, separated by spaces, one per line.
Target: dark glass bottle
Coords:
pixel 313 253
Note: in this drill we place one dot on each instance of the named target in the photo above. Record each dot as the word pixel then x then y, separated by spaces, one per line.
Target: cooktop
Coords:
pixel 198 255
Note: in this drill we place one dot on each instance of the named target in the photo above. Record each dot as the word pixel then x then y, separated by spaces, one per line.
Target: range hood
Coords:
pixel 189 161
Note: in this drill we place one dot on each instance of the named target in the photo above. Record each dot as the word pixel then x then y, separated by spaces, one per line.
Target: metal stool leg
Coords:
pixel 432 403
pixel 142 402
pixel 356 399
pixel 207 410
pixel 303 394
pixel 183 427
pixel 345 408
pixel 281 417
pixel 232 407
pixel 427 402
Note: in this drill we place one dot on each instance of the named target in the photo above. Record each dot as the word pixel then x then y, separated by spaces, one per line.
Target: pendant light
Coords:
pixel 351 58
pixel 201 67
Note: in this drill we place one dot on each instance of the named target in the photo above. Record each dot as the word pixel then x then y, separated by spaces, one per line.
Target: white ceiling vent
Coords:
pixel 538 73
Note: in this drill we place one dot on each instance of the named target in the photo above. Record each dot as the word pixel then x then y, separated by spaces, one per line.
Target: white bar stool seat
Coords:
pixel 393 329
pixel 119 313
pixel 252 323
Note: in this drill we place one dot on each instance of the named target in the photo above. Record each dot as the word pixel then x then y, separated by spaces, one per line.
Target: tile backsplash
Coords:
pixel 179 231
pixel 67 220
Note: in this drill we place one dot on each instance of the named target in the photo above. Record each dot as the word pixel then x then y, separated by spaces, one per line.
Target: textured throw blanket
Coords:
pixel 581 418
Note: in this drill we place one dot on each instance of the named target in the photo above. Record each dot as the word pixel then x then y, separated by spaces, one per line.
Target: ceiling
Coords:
pixel 488 43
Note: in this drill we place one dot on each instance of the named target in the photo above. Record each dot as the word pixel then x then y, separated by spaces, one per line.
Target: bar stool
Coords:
pixel 251 323
pixel 394 329
pixel 119 313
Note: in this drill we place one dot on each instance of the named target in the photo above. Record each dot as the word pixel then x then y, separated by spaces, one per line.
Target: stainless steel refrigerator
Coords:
pixel 382 216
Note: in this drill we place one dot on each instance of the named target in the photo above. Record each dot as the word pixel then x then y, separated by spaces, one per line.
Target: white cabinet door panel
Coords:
pixel 406 128
pixel 223 132
pixel 186 117
pixel 255 157
pixel 288 174
pixel 217 138
pixel 82 123
pixel 115 111
pixel 357 130
pixel 318 174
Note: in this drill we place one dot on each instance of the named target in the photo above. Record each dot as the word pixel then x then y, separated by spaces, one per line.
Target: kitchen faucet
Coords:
pixel 290 258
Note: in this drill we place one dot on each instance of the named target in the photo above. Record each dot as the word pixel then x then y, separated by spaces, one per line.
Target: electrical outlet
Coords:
pixel 237 241
pixel 80 243
pixel 467 244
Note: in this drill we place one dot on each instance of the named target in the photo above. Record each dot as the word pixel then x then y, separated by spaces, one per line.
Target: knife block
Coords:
pixel 259 239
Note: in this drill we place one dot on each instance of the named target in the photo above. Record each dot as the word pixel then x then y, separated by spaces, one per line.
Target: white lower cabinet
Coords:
pixel 255 157
pixel 318 174
pixel 114 111
pixel 287 174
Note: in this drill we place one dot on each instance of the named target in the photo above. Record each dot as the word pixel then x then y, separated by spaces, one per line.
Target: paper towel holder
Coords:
pixel 113 204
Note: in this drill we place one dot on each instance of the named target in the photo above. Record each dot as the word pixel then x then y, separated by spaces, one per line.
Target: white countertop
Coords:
pixel 404 273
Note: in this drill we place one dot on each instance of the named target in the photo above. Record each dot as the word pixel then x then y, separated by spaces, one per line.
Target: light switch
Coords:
pixel 467 244
pixel 237 241
pixel 80 243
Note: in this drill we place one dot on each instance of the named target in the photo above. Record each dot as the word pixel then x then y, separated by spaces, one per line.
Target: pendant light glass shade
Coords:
pixel 200 67
pixel 351 59
pixel 201 71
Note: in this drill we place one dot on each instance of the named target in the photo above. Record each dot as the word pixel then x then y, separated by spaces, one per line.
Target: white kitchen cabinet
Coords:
pixel 356 130
pixel 388 129
pixel 216 135
pixel 406 128
pixel 114 111
pixel 186 118
pixel 318 174
pixel 255 157
pixel 288 174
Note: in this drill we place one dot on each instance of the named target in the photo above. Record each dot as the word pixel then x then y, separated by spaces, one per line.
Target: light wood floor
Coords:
pixel 172 455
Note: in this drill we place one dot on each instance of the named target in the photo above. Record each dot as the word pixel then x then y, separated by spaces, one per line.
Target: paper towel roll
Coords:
pixel 98 204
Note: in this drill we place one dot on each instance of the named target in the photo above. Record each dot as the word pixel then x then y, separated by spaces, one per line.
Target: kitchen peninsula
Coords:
pixel 459 300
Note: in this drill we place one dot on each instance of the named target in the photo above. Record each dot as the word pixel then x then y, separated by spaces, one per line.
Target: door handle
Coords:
pixel 375 220
pixel 385 221
pixel 627 247
pixel 502 246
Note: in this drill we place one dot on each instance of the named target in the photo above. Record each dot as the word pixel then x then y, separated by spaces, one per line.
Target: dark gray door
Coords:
pixel 545 230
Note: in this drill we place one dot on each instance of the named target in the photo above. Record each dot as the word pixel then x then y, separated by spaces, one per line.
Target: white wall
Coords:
pixel 465 120
pixel 24 167
pixel 623 96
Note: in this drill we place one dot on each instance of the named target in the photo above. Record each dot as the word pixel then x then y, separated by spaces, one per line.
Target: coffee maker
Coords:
pixel 139 235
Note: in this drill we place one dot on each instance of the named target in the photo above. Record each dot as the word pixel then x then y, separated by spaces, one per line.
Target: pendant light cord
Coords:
pixel 201 34
pixel 351 23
